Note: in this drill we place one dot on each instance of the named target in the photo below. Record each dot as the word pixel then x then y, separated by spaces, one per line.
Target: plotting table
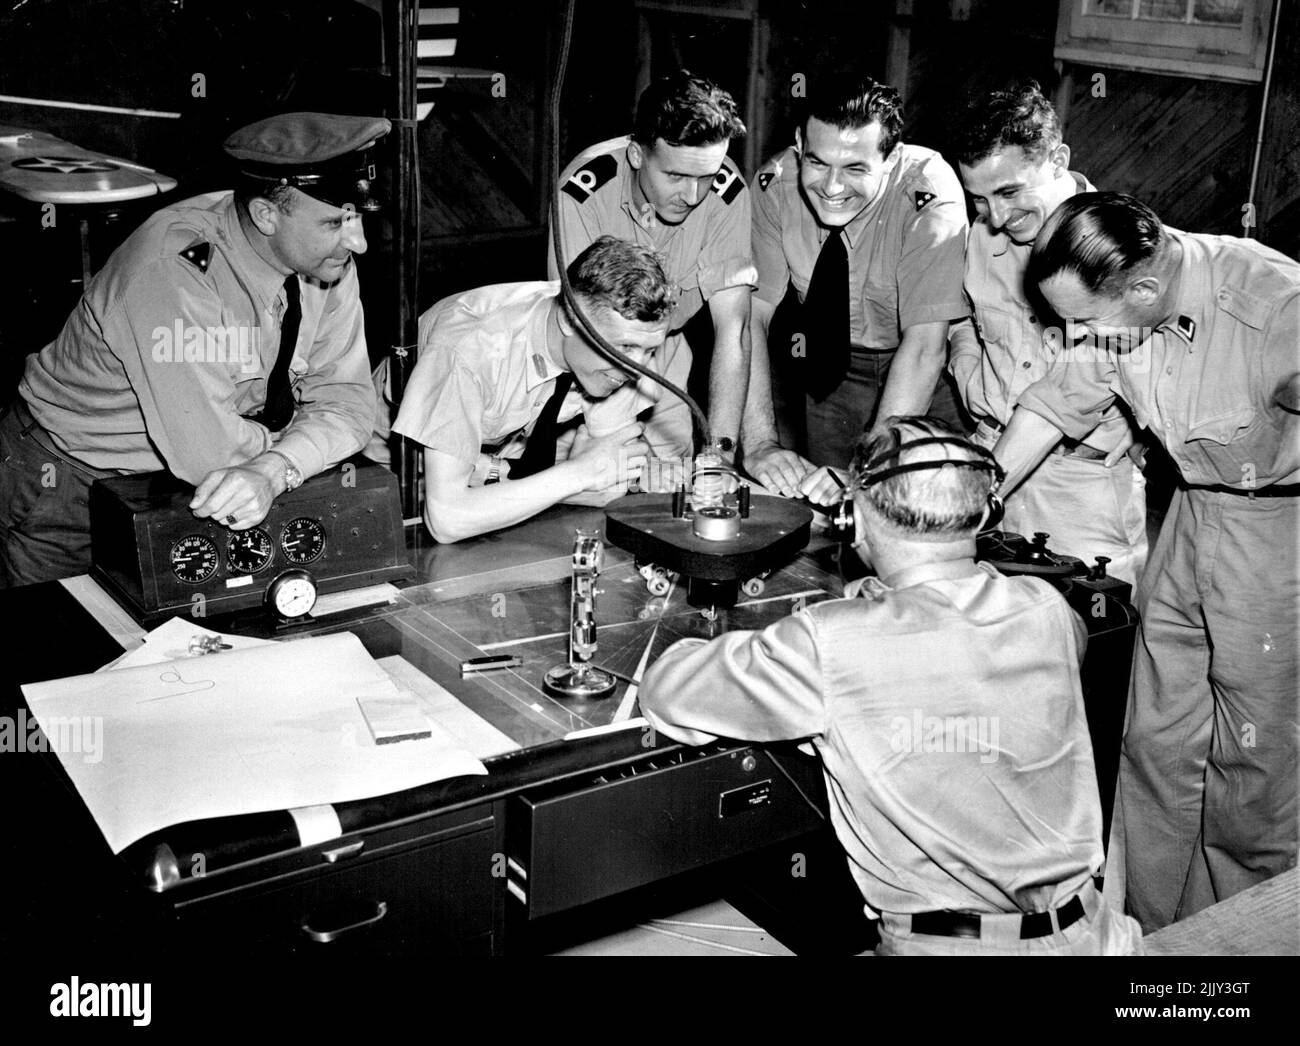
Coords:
pixel 581 803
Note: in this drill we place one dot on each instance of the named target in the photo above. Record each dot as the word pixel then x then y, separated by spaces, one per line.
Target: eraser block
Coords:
pixel 393 719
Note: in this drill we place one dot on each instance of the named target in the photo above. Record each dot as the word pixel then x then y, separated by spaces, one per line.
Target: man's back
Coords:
pixel 948 712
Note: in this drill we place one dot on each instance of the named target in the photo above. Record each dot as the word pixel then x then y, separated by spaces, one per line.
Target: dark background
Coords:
pixel 1183 145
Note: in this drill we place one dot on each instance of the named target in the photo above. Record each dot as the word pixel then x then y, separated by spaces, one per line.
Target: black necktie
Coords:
pixel 278 410
pixel 826 319
pixel 539 451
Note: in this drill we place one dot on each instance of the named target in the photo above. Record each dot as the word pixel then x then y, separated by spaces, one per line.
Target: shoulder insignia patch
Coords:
pixel 1187 327
pixel 591 176
pixel 922 198
pixel 199 255
pixel 765 179
pixel 727 183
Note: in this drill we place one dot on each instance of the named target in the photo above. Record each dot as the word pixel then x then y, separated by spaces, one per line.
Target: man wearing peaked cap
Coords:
pixel 223 341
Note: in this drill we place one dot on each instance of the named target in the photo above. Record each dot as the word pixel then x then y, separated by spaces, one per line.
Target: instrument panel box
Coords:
pixel 344 527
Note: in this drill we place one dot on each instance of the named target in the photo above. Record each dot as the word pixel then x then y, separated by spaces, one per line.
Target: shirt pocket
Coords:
pixel 997 327
pixel 1223 429
pixel 243 356
pixel 880 308
pixel 1239 445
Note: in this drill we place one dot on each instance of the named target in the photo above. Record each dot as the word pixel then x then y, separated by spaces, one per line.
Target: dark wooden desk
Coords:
pixel 470 865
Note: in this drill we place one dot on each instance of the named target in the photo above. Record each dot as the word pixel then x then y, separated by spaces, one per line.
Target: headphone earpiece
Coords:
pixel 842 526
pixel 994 511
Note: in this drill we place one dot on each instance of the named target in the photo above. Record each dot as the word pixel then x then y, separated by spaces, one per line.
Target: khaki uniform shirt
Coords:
pixel 489 359
pixel 1203 382
pixel 947 709
pixel 905 249
pixel 706 253
pixel 1002 351
pixel 173 341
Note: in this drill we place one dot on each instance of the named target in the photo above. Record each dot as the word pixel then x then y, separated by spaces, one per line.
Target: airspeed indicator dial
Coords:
pixel 194 559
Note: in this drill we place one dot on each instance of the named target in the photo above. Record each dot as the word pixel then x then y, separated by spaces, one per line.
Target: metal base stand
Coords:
pixel 579 681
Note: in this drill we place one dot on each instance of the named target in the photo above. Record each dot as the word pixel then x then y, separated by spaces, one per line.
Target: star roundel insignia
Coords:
pixel 64 165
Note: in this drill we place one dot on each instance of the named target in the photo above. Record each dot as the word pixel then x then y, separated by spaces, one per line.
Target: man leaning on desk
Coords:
pixel 500 397
pixel 223 341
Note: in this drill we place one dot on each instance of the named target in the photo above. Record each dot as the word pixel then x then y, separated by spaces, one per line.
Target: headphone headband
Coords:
pixel 985 462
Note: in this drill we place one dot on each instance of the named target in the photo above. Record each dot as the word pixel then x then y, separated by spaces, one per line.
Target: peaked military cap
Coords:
pixel 324 155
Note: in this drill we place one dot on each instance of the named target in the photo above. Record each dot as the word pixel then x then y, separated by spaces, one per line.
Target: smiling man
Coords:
pixel 1200 336
pixel 870 232
pixel 222 341
pixel 503 396
pixel 670 186
pixel 1087 494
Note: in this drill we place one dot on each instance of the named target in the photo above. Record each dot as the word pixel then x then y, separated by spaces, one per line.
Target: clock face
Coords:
pixel 248 551
pixel 293 594
pixel 194 559
pixel 302 540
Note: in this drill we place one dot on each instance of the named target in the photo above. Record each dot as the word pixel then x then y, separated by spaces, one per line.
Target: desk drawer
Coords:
pixel 432 896
pixel 592 837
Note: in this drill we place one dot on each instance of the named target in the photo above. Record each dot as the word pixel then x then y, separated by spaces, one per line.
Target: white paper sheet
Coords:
pixel 237 732
pixel 170 641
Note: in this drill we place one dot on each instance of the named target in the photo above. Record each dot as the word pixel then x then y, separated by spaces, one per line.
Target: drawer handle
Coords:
pixel 325 936
pixel 341 852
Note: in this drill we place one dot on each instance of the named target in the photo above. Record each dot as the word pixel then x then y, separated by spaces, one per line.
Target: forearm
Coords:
pixel 467 512
pixel 964 351
pixel 729 381
pixel 758 686
pixel 729 372
pixel 914 371
pixel 758 426
pixel 1025 443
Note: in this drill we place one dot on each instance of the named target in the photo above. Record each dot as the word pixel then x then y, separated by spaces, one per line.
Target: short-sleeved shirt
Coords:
pixel 905 249
pixel 173 342
pixel 1009 353
pixel 707 252
pixel 1205 380
pixel 489 360
pixel 946 706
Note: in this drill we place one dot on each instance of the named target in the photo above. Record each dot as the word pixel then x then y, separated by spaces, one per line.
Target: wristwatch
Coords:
pixel 725 444
pixel 292 476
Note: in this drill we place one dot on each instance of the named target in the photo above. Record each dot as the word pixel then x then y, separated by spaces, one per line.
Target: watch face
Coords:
pixel 293 596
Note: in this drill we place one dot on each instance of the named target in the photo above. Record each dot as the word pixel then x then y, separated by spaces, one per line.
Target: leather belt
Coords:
pixel 967 924
pixel 1277 490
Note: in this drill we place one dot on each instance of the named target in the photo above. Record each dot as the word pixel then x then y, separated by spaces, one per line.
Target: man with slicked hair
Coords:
pixel 1087 493
pixel 670 186
pixel 1200 336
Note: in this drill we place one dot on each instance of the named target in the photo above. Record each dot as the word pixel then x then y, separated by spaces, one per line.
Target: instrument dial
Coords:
pixel 248 551
pixel 194 559
pixel 292 594
pixel 302 540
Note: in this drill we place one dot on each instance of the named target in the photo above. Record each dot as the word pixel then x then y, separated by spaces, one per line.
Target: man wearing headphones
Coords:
pixel 944 700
